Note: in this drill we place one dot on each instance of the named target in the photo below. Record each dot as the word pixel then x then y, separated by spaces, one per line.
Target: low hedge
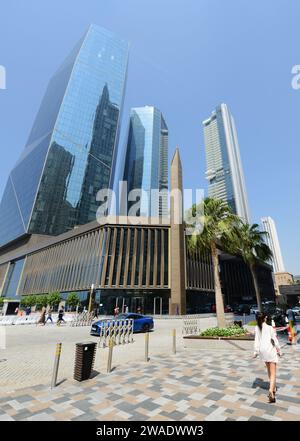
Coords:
pixel 231 331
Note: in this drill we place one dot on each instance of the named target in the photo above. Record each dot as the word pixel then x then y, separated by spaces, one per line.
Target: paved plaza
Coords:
pixel 29 355
pixel 191 385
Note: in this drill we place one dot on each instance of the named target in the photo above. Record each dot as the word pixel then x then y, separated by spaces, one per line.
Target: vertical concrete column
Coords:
pixel 177 243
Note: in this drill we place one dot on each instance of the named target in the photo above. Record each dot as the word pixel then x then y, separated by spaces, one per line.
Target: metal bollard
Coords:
pixel 56 365
pixel 174 341
pixel 147 346
pixel 110 354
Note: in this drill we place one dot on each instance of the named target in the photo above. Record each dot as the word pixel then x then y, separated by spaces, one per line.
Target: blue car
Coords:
pixel 141 323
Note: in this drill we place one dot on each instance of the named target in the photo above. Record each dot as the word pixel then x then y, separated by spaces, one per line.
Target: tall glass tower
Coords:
pixel 224 166
pixel 272 241
pixel 70 154
pixel 146 163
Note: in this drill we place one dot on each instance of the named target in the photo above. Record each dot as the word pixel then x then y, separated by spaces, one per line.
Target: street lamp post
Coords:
pixel 91 300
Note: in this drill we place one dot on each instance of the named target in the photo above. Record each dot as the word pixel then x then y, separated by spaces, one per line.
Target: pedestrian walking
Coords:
pixel 60 319
pixel 291 320
pixel 126 309
pixel 49 316
pixel 116 311
pixel 266 346
pixel 42 319
pixel 96 313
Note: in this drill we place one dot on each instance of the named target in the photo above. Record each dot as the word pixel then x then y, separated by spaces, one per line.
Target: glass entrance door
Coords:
pixel 157 305
pixel 121 304
pixel 138 305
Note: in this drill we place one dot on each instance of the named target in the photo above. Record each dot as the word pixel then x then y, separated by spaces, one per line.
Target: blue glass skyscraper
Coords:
pixel 71 151
pixel 146 164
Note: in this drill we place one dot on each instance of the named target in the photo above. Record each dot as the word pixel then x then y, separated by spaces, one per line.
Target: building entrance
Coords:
pixel 145 302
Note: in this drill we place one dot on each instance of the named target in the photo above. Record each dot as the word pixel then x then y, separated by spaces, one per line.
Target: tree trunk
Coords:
pixel 256 287
pixel 218 292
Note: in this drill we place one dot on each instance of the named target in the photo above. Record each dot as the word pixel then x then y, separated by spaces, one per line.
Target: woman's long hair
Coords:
pixel 260 318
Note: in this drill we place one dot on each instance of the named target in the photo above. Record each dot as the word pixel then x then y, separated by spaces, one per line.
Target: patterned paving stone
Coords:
pixel 215 396
pixel 23 398
pixel 265 406
pixel 190 386
pixel 22 415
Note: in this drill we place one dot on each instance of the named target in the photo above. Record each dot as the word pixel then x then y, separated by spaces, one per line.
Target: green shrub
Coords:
pixel 1 301
pixel 231 331
pixel 252 323
pixel 23 302
pixel 73 300
pixel 54 299
pixel 41 301
pixel 31 300
pixel 28 301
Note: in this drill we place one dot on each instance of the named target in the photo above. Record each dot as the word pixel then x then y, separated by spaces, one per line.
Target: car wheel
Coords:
pixel 146 328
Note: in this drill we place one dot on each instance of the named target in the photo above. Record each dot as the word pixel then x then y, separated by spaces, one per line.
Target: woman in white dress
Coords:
pixel 267 347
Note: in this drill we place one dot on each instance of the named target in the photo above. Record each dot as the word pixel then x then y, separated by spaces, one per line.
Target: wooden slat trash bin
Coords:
pixel 84 360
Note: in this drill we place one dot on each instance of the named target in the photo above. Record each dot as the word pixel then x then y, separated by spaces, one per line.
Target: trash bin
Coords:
pixel 84 360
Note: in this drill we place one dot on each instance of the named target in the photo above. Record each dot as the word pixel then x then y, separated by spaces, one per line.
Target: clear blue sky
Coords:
pixel 186 57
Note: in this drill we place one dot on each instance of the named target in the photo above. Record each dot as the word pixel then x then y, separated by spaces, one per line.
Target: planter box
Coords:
pixel 244 343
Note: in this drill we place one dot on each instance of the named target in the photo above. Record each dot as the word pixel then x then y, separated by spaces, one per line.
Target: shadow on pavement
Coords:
pixel 259 382
pixel 61 382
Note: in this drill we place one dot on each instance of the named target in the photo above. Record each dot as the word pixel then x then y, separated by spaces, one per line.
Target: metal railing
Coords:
pixel 83 319
pixel 120 331
pixel 191 326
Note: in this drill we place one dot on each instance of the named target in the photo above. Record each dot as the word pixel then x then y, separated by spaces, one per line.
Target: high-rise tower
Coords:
pixel 224 166
pixel 272 241
pixel 146 163
pixel 70 154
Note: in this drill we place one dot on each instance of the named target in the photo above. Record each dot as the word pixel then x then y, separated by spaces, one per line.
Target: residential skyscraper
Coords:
pixel 272 241
pixel 146 163
pixel 70 154
pixel 224 166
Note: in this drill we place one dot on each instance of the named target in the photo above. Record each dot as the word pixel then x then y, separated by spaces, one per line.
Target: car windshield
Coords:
pixel 122 316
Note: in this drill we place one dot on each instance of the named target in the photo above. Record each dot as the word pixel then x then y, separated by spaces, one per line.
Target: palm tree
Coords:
pixel 217 225
pixel 248 241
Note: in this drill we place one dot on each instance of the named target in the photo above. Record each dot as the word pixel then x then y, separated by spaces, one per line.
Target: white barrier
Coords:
pixel 121 331
pixel 27 320
pixel 191 327
pixel 194 324
pixel 31 319
pixel 7 321
pixel 82 319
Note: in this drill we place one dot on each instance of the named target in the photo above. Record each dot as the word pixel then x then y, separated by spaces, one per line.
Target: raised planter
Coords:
pixel 239 343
